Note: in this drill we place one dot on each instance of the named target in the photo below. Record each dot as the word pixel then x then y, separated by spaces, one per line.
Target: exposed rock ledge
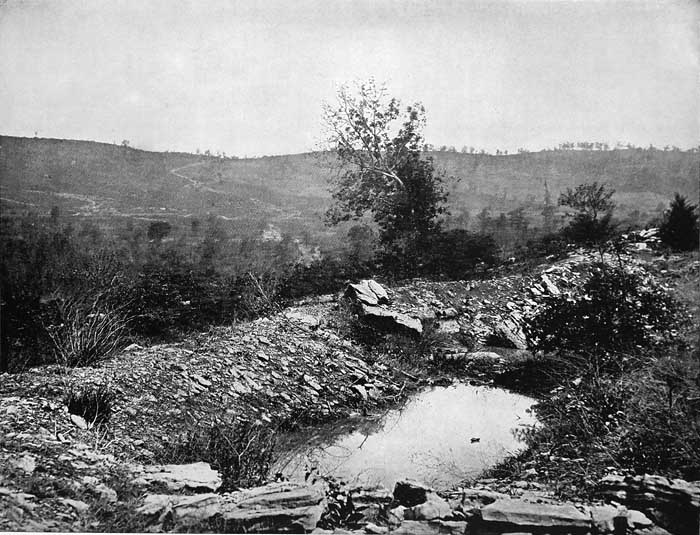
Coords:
pixel 416 508
pixel 272 508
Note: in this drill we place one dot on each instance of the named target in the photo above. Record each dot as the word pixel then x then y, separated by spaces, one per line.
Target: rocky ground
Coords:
pixel 60 473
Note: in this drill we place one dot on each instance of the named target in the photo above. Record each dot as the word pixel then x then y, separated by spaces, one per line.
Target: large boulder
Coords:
pixel 180 512
pixel 607 519
pixel 433 508
pixel 371 300
pixel 471 501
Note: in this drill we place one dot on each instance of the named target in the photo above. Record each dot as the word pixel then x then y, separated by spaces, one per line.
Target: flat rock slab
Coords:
pixel 514 515
pixel 302 318
pixel 435 527
pixel 195 476
pixel 180 511
pixel 368 292
pixel 389 320
pixel 273 508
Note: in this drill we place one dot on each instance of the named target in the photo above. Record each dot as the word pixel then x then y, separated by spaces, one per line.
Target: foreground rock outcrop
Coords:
pixel 273 508
pixel 417 508
pixel 673 503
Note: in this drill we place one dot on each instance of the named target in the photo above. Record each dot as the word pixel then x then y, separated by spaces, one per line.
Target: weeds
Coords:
pixel 643 416
pixel 242 452
pixel 88 330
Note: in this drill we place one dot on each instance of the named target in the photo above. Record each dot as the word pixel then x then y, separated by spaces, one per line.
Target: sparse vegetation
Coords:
pixel 241 451
pixel 87 330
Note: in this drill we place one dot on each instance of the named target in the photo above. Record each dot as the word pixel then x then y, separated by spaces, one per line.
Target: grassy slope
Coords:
pixel 292 190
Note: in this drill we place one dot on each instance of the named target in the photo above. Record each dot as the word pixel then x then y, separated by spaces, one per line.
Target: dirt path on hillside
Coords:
pixel 195 183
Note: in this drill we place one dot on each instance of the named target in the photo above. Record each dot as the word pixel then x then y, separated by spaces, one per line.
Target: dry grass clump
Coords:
pixel 88 330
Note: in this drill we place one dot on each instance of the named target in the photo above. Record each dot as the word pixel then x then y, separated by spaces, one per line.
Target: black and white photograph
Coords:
pixel 363 267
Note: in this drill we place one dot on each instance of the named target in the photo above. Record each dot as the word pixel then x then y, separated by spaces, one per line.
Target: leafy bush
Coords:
pixel 87 330
pixel 585 230
pixel 679 229
pixel 456 253
pixel 92 402
pixel 322 276
pixel 177 295
pixel 552 244
pixel 242 452
pixel 586 412
pixel 614 310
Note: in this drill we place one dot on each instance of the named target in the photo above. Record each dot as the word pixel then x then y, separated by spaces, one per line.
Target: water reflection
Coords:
pixel 441 436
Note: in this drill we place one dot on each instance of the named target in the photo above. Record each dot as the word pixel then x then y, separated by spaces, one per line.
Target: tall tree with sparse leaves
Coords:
pixel 378 146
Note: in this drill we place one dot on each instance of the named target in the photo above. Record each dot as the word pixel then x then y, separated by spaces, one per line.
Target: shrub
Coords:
pixel 679 229
pixel 585 230
pixel 242 452
pixel 256 294
pixel 322 276
pixel 552 244
pixel 86 330
pixel 614 310
pixel 92 402
pixel 456 253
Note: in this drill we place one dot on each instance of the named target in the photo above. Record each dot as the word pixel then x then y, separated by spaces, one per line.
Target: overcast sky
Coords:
pixel 249 77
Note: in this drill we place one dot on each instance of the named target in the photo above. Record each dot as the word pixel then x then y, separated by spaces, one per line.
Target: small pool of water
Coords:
pixel 441 436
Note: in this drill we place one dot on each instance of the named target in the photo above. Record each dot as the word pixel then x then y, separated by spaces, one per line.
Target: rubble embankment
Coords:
pixel 59 474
